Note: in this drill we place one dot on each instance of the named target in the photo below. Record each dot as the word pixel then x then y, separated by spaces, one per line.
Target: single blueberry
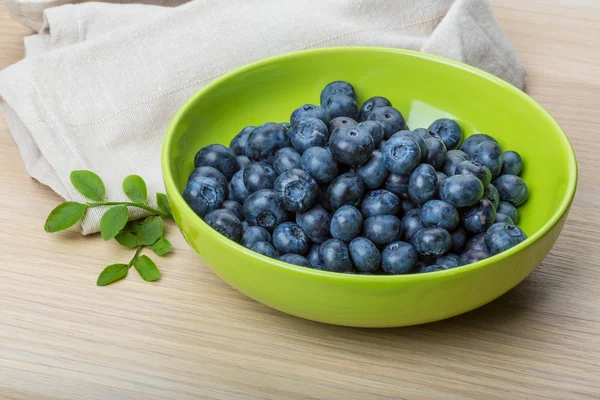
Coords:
pixel 341 121
pixel 290 238
pixel 255 234
pixel 406 205
pixel 364 255
pixel 436 153
pixel 432 241
pixel 422 184
pixel 224 222
pixel 398 184
pixel 451 164
pixel 375 129
pixel 472 256
pixel 383 229
pixel 448 261
pixel 512 189
pixel 261 208
pixel 243 161
pixel 418 139
pixel 295 259
pixel 259 175
pixel 373 171
pixel 236 208
pixel 504 218
pixel 296 190
pixel 489 154
pixel 380 202
pixel 237 189
pixel 459 238
pixel 479 217
pixel 477 243
pixel 315 223
pixel 470 143
pixel 264 248
pixel 285 159
pixel 265 140
pixel 438 213
pixel 351 146
pixel 334 256
pixel 398 258
pixel 346 223
pixel 320 164
pixel 211 172
pixel 313 256
pixel 337 88
pixel 513 163
pixel 218 156
pixel 509 210
pixel 374 102
pixel 502 236
pixel 309 111
pixel 238 143
pixel 449 130
pixel 203 195
pixel 391 119
pixel 472 168
pixel 341 106
pixel 461 190
pixel 401 155
pixel 433 268
pixel 411 223
pixel 491 193
pixel 309 133
pixel 347 188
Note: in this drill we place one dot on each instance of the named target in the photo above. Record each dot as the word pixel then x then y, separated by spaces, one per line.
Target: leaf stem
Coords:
pixel 130 204
pixel 135 257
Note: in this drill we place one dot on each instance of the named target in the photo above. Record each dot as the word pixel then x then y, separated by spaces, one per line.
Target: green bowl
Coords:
pixel 424 88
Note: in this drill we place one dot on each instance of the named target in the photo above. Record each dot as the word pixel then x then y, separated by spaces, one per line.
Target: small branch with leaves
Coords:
pixel 115 223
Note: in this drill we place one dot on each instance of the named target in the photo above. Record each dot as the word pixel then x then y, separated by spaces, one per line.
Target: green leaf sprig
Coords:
pixel 115 223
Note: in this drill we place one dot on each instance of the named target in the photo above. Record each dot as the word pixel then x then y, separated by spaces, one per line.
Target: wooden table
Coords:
pixel 192 336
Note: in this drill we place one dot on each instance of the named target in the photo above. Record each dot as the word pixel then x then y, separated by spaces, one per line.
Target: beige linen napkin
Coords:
pixel 101 81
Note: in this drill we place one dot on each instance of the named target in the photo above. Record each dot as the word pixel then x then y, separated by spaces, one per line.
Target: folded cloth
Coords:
pixel 101 81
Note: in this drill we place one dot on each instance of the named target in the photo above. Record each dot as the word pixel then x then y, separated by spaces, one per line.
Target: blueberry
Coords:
pixel 237 189
pixel 472 256
pixel 236 208
pixel 383 229
pixel 374 102
pixel 364 255
pixel 261 208
pixel 347 188
pixel 479 217
pixel 337 88
pixel 449 130
pixel 313 256
pixel 401 155
pixel 309 133
pixel 265 140
pixel 334 256
pixel 461 190
pixel 509 210
pixel 432 241
pixel 418 139
pixel 406 205
pixel 459 238
pixel 243 161
pixel 255 234
pixel 380 202
pixel 427 134
pixel 259 175
pixel 448 261
pixel 210 172
pixel 203 195
pixel 290 238
pixel 296 190
pixel 470 143
pixel 286 125
pixel 411 223
pixel 452 162
pixel 422 183
pixel 503 236
pixel 346 223
pixel 264 248
pixel 489 154
pixel 398 258
pixel 397 184
pixel 477 242
pixel 375 129
pixel 381 145
pixel 512 189
pixel 315 223
pixel 504 218
pixel 295 259
pixel 320 164
pixel 438 213
pixel 341 121
pixel 472 168
pixel 309 111
pixel 351 146
pixel 285 159
pixel 218 156
pixel 433 268
pixel 436 153
pixel 226 223
pixel 491 193
pixel 391 119
pixel 238 143
pixel 513 163
pixel 373 171
pixel 341 106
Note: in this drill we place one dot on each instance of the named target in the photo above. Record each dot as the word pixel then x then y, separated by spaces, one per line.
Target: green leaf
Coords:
pixel 162 246
pixel 113 221
pixel 135 188
pixel 133 226
pixel 147 269
pixel 112 273
pixel 163 203
pixel 64 216
pixel 150 230
pixel 88 184
pixel 127 239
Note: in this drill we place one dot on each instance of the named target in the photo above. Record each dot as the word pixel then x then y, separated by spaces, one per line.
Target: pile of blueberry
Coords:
pixel 327 192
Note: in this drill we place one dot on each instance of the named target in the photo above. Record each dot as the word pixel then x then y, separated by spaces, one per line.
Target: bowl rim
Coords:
pixel 436 275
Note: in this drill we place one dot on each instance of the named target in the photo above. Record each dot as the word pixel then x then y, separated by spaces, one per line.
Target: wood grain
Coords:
pixel 191 336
